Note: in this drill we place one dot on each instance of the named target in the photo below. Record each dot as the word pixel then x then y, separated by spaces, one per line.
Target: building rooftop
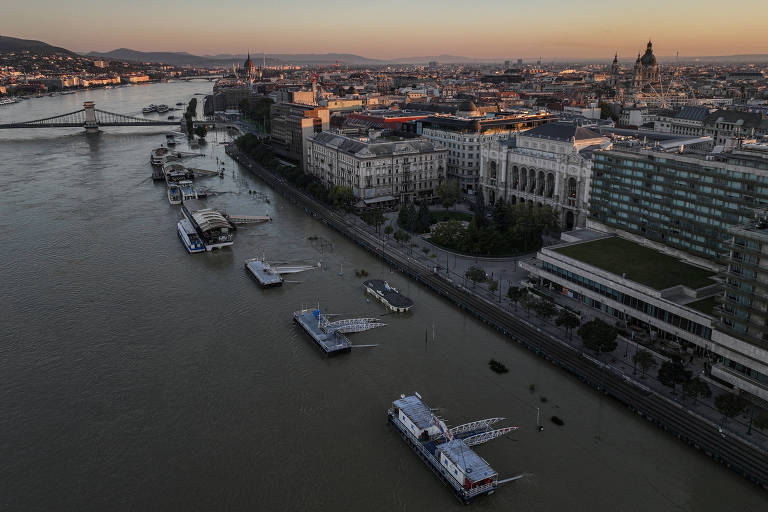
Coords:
pixel 690 113
pixel 562 131
pixel 706 306
pixel 366 148
pixel 638 263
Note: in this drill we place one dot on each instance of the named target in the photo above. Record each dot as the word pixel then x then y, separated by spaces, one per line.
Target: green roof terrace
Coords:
pixel 640 264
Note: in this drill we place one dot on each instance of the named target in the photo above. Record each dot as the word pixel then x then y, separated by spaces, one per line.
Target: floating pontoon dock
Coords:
pixel 329 336
pixel 271 274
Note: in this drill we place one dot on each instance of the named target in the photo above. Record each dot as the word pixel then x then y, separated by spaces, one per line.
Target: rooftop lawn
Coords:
pixel 641 264
pixel 706 306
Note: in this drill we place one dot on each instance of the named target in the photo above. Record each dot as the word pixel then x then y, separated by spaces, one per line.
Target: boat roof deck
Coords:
pixel 329 342
pixel 469 462
pixel 392 296
pixel 416 410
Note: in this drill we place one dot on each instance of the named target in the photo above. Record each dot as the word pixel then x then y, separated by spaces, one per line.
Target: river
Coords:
pixel 134 376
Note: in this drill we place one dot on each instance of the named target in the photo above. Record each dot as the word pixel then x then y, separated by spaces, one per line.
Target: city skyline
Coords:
pixel 497 30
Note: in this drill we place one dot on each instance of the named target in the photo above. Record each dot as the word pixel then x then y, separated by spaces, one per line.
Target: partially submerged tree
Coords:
pixel 598 336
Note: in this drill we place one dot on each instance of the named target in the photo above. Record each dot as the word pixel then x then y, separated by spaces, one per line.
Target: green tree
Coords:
pixel 402 216
pixel 402 236
pixel 598 336
pixel 201 131
pixel 694 388
pixel 501 216
pixel 568 321
pixel 729 405
pixel 190 127
pixel 413 218
pixel 644 359
pixel 545 309
pixel 341 197
pixel 373 217
pixel 672 373
pixel 493 285
pixel 516 294
pixel 480 211
pixel 423 218
pixel 388 229
pixel 449 193
pixel 528 302
pixel 475 274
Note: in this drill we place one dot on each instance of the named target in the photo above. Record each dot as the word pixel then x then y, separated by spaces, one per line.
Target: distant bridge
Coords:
pixel 90 118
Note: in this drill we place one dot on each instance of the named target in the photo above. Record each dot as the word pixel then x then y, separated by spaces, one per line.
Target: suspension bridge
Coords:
pixel 90 118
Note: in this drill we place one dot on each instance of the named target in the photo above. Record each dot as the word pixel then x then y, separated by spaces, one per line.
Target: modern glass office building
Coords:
pixel 685 201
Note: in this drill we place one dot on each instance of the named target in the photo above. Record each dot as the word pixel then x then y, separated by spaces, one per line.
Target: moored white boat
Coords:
pixel 189 236
pixel 174 193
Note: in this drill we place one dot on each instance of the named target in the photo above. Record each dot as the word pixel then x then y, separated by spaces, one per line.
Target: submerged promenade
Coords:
pixel 733 451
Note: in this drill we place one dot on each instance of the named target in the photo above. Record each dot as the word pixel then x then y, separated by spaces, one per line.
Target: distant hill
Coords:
pixel 14 44
pixel 187 59
pixel 172 58
pixel 441 59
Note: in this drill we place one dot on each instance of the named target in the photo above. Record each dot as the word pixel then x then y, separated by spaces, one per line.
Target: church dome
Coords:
pixel 648 59
pixel 249 63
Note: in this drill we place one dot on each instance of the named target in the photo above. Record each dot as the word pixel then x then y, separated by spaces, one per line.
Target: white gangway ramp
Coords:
pixel 487 436
pixel 286 268
pixel 474 425
pixel 248 219
pixel 348 325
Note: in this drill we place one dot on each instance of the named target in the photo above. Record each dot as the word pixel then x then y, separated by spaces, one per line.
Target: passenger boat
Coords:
pixel 188 190
pixel 162 109
pixel 175 172
pixel 149 109
pixel 214 230
pixel 7 101
pixel 174 193
pixel 189 237
pixel 158 154
pixel 448 451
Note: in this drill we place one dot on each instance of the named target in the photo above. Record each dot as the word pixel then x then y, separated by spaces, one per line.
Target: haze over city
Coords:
pixel 398 28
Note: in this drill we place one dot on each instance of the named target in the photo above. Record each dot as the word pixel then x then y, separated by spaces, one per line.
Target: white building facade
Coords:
pixel 378 171
pixel 549 165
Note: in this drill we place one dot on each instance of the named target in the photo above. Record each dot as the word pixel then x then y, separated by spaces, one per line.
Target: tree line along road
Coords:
pixel 732 451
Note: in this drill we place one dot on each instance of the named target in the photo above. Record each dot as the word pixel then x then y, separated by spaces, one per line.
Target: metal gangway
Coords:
pixel 349 325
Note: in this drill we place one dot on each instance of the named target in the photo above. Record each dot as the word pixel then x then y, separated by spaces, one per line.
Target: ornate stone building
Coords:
pixel 646 70
pixel 549 165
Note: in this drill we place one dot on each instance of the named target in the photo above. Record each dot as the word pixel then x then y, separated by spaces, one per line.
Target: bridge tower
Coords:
pixel 91 124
